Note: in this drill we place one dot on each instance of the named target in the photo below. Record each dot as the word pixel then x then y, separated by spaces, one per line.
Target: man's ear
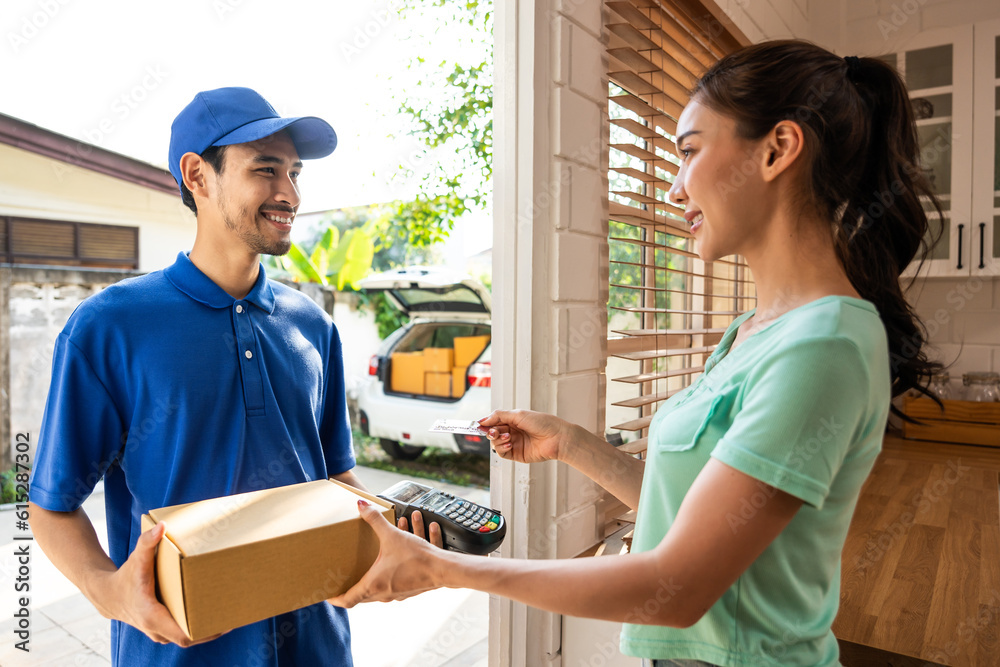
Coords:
pixel 193 171
pixel 781 148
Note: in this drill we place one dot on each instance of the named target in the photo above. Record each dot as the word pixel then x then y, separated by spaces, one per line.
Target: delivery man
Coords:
pixel 202 380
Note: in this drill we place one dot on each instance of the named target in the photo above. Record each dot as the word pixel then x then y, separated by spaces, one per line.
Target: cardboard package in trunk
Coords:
pixel 438 384
pixel 230 561
pixel 407 374
pixel 458 381
pixel 468 348
pixel 438 359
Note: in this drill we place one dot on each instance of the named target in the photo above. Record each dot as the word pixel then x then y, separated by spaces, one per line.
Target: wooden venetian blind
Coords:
pixel 667 309
pixel 24 241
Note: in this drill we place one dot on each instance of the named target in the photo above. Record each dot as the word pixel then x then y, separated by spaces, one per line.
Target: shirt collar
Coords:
pixel 189 279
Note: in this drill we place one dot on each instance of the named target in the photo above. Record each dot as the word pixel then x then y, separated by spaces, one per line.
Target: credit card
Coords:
pixel 466 426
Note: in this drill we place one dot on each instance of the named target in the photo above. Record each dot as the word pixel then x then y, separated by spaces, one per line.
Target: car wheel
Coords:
pixel 398 451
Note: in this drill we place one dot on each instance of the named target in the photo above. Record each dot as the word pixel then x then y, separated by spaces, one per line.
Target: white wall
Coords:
pixel 35 186
pixel 769 19
pixel 852 27
pixel 962 317
pixel 358 336
pixel 872 28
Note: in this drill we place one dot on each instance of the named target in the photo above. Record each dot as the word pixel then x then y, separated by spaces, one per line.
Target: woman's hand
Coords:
pixel 406 564
pixel 528 437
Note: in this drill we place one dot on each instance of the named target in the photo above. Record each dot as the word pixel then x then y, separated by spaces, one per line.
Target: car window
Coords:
pixel 439 335
pixel 453 298
pixel 391 340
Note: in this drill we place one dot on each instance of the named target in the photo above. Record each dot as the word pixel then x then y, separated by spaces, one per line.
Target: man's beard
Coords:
pixel 251 235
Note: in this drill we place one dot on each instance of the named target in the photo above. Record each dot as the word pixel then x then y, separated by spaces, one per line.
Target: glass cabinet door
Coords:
pixel 935 66
pixel 986 166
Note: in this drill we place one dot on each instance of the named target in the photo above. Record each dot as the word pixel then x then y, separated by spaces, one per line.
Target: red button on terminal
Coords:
pixel 484 529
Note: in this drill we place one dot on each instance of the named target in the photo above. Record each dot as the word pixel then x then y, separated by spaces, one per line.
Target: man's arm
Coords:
pixel 125 594
pixel 348 477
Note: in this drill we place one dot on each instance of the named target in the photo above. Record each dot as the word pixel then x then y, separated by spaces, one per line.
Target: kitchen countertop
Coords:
pixel 921 564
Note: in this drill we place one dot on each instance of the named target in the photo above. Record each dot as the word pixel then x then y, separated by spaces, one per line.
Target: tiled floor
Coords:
pixel 446 628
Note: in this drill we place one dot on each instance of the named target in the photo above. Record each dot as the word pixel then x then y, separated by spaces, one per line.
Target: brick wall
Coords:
pixel 35 304
pixel 579 252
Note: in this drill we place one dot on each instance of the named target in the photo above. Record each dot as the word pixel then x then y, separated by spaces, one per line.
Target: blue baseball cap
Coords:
pixel 226 116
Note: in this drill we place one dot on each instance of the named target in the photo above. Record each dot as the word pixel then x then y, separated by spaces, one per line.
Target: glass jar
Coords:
pixel 940 386
pixel 982 387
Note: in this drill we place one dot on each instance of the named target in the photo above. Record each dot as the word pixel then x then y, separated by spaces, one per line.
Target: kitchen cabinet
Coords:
pixel 985 230
pixel 953 77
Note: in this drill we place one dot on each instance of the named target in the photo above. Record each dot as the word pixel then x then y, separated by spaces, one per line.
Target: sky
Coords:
pixel 114 73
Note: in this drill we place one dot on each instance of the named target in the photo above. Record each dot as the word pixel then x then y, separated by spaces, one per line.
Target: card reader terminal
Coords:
pixel 465 526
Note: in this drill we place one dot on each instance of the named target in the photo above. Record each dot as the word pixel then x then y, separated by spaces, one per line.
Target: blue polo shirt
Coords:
pixel 174 391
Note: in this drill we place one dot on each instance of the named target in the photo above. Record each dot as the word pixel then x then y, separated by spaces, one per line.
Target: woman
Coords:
pixel 753 472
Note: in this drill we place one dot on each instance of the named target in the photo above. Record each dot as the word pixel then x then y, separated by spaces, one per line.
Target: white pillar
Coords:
pixel 550 284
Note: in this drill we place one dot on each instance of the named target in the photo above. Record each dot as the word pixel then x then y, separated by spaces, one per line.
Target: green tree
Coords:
pixel 333 260
pixel 450 112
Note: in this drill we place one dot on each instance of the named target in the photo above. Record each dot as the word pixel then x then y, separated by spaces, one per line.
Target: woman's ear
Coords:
pixel 782 146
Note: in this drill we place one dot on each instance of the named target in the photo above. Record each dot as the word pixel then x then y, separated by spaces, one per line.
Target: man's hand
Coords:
pixel 129 595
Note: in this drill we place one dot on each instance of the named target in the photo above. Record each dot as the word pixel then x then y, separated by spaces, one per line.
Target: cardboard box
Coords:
pixel 467 348
pixel 458 381
pixel 438 359
pixel 438 384
pixel 227 562
pixel 407 374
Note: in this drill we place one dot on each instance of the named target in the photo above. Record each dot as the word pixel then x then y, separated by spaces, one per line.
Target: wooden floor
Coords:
pixel 921 565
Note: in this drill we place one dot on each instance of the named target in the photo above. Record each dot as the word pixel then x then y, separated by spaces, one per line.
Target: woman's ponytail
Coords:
pixel 863 169
pixel 884 224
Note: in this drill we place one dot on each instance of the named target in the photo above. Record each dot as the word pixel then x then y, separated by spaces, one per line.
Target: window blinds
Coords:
pixel 667 309
pixel 25 241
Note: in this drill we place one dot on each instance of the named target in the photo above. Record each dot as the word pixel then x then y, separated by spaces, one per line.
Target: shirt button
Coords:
pixel 249 354
pixel 239 308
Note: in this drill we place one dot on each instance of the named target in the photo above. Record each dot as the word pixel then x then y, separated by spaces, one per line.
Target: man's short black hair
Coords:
pixel 214 156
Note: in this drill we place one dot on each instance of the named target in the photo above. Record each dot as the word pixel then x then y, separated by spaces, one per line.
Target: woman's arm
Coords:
pixel 675 584
pixel 529 437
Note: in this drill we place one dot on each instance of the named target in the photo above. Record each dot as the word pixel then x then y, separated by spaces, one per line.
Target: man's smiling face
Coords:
pixel 257 193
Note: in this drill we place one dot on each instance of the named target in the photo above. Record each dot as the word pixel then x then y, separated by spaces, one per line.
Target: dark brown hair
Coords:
pixel 862 169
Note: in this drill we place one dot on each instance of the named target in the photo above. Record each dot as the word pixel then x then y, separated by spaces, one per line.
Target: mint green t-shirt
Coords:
pixel 800 405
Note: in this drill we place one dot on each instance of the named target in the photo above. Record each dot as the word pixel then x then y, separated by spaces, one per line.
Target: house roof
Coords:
pixel 30 137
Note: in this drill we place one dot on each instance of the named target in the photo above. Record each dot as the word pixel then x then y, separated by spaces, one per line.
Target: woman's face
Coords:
pixel 719 183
